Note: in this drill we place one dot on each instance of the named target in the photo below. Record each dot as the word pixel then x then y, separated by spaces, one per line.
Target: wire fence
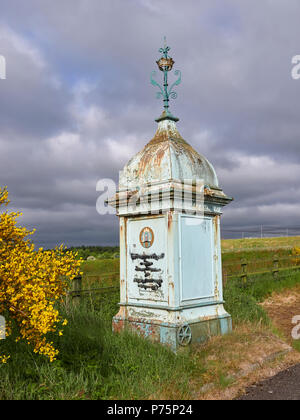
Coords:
pixel 277 267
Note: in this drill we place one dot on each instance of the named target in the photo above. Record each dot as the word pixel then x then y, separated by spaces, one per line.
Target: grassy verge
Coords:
pixel 296 345
pixel 242 299
pixel 93 363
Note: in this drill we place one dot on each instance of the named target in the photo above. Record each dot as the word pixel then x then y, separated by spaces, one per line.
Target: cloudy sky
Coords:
pixel 77 104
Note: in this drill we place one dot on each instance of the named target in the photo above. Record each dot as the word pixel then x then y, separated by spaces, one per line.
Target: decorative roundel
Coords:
pixel 146 237
pixel 184 335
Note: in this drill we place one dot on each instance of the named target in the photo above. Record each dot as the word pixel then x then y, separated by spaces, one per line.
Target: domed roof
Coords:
pixel 167 157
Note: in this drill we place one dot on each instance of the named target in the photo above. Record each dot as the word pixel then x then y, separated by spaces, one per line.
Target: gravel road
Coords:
pixel 284 386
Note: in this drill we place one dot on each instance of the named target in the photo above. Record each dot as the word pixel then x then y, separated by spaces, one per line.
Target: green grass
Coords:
pixel 259 253
pixel 242 300
pixel 236 245
pixel 228 245
pixel 296 345
pixel 100 252
pixel 100 273
pixel 93 363
pixel 107 265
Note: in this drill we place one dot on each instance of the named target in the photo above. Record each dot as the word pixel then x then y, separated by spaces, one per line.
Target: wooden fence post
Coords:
pixel 244 276
pixel 275 270
pixel 76 289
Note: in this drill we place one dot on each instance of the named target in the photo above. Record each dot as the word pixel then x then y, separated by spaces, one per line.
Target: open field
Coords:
pixel 258 253
pixel 237 245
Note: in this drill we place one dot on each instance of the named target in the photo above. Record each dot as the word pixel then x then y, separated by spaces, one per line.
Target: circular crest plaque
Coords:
pixel 146 237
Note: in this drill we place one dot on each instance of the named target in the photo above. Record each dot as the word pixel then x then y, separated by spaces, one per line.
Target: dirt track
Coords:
pixel 281 308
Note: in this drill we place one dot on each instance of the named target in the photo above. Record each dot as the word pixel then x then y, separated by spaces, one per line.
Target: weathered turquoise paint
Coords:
pixel 168 336
pixel 177 161
pixel 197 256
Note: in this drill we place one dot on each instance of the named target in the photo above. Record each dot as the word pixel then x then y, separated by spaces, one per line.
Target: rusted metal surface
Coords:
pixel 172 277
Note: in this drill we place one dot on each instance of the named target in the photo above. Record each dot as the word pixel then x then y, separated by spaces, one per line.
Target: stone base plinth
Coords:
pixel 176 335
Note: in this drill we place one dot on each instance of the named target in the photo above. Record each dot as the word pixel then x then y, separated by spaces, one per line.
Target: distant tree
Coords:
pixel 31 283
pixel 100 252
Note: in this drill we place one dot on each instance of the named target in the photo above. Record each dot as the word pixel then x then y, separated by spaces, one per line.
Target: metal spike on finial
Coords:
pixel 165 64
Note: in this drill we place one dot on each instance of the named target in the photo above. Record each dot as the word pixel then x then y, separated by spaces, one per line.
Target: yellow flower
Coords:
pixel 3 358
pixel 31 283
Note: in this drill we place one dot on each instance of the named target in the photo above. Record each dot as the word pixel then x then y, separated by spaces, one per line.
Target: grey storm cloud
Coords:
pixel 77 104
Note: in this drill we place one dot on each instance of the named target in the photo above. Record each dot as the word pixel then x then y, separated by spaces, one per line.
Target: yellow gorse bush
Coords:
pixel 31 283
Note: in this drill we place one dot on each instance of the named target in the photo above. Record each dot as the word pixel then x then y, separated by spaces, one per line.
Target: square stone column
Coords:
pixel 170 271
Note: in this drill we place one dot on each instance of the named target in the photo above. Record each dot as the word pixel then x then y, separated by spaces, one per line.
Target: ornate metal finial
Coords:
pixel 165 64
